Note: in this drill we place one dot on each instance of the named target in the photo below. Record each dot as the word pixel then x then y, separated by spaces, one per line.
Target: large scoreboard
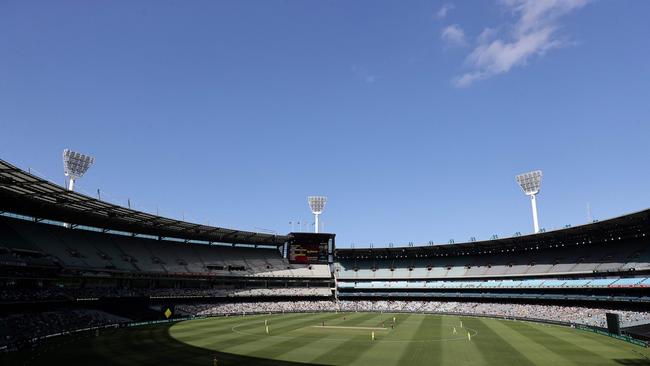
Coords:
pixel 310 248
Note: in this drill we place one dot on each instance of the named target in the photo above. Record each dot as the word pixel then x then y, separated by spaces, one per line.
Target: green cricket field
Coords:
pixel 376 339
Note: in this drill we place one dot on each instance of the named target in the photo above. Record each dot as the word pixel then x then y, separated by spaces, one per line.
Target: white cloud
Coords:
pixel 453 35
pixel 536 14
pixel 533 33
pixel 486 35
pixel 444 10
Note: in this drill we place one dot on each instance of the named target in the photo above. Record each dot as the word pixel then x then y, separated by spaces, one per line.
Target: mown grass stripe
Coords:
pixel 223 335
pixel 276 345
pixel 347 353
pixel 602 346
pixel 493 347
pixel 429 327
pixel 196 325
pixel 462 351
pixel 344 353
pixel 259 339
pixel 285 345
pixel 532 349
pixel 560 346
pixel 364 319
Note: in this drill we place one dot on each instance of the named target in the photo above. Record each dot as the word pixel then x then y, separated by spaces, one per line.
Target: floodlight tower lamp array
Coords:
pixel 317 205
pixel 75 165
pixel 530 183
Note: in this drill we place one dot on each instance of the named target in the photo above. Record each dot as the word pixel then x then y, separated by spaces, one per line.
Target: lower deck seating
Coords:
pixel 635 282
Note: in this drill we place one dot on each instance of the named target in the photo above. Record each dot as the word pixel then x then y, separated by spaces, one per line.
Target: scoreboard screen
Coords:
pixel 306 248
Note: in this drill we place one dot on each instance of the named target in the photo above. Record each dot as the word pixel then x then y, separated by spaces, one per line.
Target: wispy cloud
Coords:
pixel 364 74
pixel 487 35
pixel 454 35
pixel 444 10
pixel 370 78
pixel 533 32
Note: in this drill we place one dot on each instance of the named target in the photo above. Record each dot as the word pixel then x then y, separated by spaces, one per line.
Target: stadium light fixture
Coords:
pixel 75 165
pixel 530 183
pixel 317 205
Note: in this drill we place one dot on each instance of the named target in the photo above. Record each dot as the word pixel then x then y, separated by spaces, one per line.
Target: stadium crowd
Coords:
pixel 53 294
pixel 256 307
pixel 567 314
pixel 27 326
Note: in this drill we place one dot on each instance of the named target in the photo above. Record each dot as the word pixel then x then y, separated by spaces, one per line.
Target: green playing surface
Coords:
pixel 346 339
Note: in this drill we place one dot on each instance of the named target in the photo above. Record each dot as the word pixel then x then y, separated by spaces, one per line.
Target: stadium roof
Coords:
pixel 26 194
pixel 623 227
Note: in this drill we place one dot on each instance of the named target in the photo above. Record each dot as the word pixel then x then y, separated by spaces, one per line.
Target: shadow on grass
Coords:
pixel 151 345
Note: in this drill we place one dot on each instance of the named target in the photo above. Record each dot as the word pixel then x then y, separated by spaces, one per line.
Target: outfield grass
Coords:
pixel 300 338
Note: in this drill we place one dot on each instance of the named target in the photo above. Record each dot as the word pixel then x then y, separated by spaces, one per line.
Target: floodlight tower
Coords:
pixel 75 165
pixel 316 204
pixel 530 182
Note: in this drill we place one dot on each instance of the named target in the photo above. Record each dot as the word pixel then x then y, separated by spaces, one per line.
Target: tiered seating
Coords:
pixel 615 257
pixel 88 250
pixel 645 283
pixel 531 283
pixel 495 284
pixel 300 292
pixel 292 270
pixel 601 282
pixel 627 282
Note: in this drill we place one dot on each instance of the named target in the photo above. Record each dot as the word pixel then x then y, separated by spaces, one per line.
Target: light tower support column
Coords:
pixel 71 184
pixel 533 202
pixel 316 223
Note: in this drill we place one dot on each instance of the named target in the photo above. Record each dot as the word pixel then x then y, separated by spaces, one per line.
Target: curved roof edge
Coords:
pixel 612 228
pixel 26 194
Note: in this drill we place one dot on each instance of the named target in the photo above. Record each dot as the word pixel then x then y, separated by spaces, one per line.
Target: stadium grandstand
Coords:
pixel 73 265
pixel 601 261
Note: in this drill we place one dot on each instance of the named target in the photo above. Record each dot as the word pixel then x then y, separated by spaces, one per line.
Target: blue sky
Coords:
pixel 412 117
